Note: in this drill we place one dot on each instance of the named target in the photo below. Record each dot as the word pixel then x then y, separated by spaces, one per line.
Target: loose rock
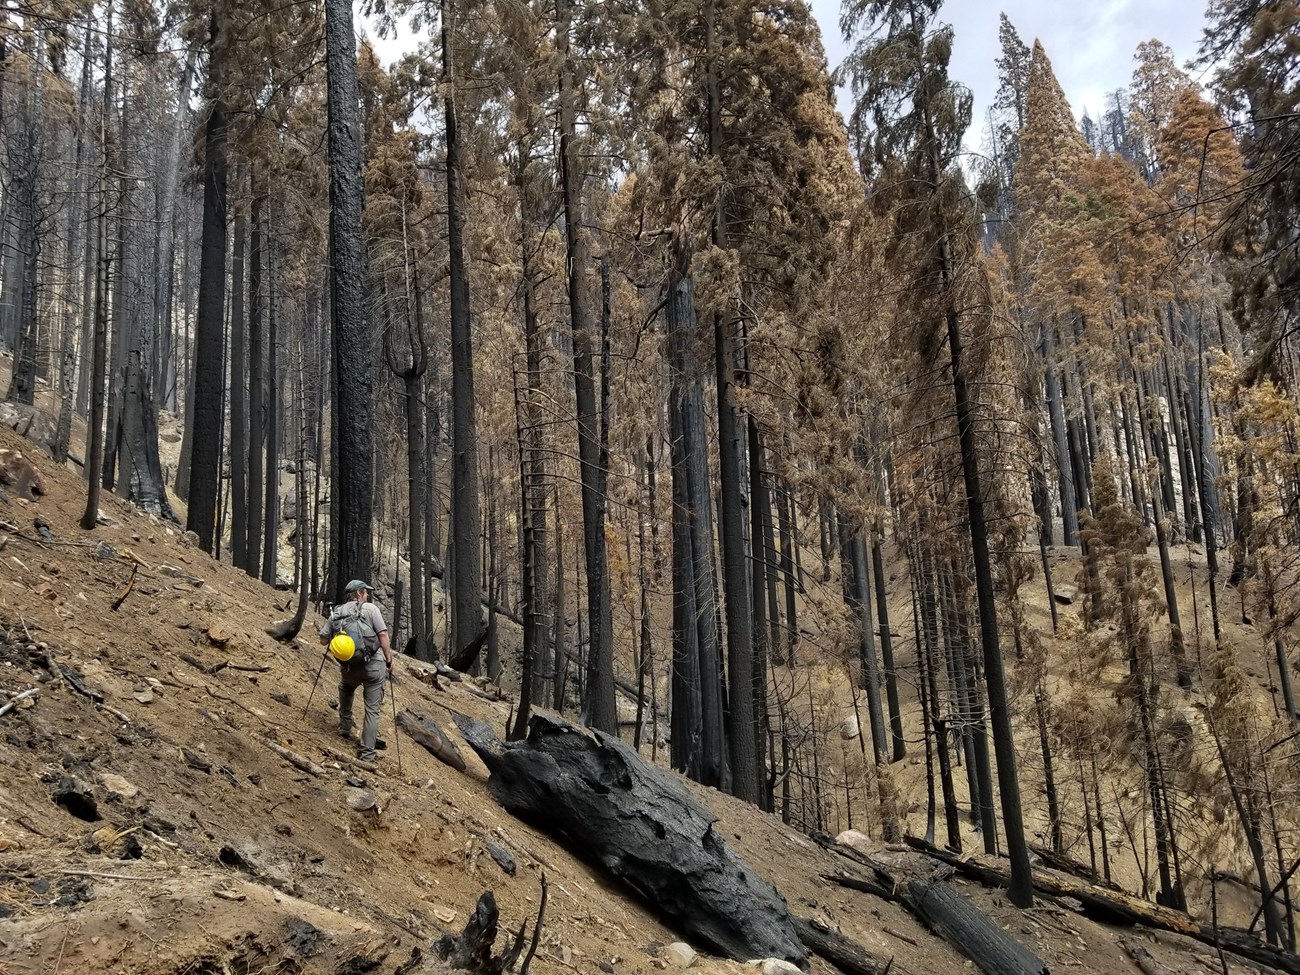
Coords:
pixel 680 954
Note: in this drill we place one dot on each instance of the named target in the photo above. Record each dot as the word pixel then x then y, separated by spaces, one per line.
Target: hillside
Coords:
pixel 195 848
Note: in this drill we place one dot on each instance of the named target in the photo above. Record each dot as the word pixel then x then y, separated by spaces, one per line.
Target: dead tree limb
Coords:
pixel 117 603
pixel 1143 958
pixel 845 954
pixel 537 928
pixel 29 694
pixel 293 758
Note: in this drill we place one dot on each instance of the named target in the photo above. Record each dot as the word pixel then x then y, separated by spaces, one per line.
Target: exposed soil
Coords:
pixel 182 844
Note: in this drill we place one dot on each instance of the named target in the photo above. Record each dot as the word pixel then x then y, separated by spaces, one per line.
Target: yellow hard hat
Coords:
pixel 343 647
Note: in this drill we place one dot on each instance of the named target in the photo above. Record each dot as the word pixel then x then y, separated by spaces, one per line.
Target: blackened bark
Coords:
pixel 209 361
pixel 598 705
pixel 898 742
pixel 252 524
pixel 22 383
pixel 271 501
pixel 353 351
pixel 1021 891
pixel 411 369
pixel 120 310
pixel 687 717
pixel 1176 642
pixel 466 527
pixel 785 514
pixel 857 595
pixel 99 353
pixel 164 366
pixel 238 397
pixel 141 469
pixel 735 584
pixel 695 536
pixel 922 567
pixel 760 506
pixel 1056 414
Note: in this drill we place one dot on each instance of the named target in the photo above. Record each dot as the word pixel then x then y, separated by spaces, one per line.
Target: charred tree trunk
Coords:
pixel 239 427
pixel 467 572
pixel 252 525
pixel 271 500
pixel 99 353
pixel 899 743
pixel 598 702
pixel 353 351
pixel 204 468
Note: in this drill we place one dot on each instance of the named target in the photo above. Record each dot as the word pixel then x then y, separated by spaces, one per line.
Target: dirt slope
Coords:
pixel 207 852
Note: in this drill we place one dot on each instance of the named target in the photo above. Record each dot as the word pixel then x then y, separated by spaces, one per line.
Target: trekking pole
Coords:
pixel 397 738
pixel 319 671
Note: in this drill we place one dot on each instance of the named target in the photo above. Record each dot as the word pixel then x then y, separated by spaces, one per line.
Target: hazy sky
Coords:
pixel 1090 42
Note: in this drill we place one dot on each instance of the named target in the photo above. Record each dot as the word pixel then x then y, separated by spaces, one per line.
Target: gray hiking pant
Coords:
pixel 372 675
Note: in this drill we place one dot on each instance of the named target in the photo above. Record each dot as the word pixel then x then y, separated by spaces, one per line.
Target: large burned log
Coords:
pixel 966 927
pixel 1115 907
pixel 598 796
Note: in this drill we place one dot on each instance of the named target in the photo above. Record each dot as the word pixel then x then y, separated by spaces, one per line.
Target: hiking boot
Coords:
pixel 380 744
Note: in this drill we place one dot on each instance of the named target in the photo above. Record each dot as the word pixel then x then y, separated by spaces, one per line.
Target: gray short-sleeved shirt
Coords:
pixel 370 614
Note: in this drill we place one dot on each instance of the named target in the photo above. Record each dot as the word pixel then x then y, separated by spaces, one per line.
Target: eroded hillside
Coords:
pixel 148 826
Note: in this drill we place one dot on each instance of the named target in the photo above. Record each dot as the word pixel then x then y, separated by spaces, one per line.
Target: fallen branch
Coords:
pixel 854 882
pixel 117 603
pixel 77 685
pixel 537 928
pixel 845 954
pixel 115 713
pixel 1143 958
pixel 29 694
pixel 346 759
pixel 293 758
pixel 195 663
pixel 153 878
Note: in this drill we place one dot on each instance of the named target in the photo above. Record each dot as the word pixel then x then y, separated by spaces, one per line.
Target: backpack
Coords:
pixel 347 618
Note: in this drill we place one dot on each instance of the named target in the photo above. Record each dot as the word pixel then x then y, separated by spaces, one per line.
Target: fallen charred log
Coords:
pixel 964 926
pixel 1116 907
pixel 429 735
pixel 845 954
pixel 950 916
pixel 639 823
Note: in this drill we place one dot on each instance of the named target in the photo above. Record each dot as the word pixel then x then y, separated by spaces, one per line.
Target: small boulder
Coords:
pixel 116 785
pixel 779 966
pixel 1065 594
pixel 680 954
pixel 21 474
pixel 849 727
pixel 856 840
pixel 359 800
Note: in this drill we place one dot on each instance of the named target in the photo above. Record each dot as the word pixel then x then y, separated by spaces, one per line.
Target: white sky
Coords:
pixel 1090 42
